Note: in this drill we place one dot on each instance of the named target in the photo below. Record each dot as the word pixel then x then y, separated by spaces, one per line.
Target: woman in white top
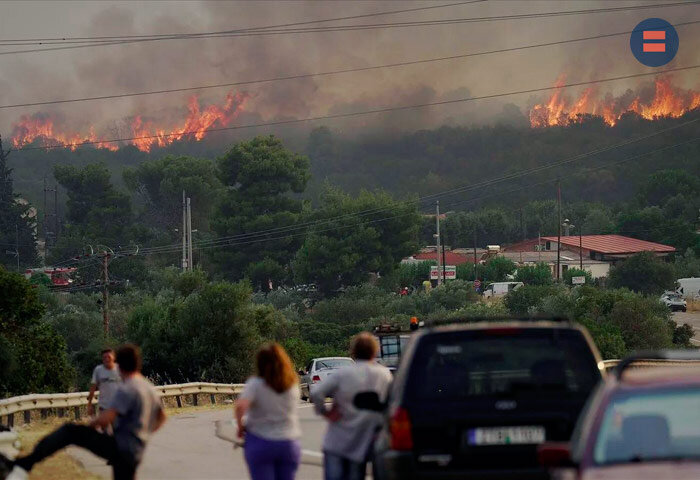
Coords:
pixel 269 402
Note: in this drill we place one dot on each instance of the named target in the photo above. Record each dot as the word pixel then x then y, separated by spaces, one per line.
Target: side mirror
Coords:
pixel 368 401
pixel 554 454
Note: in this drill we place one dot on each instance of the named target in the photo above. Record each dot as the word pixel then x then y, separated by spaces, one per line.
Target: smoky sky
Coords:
pixel 183 63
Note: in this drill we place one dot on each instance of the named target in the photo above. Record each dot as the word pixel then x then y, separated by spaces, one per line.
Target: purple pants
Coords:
pixel 271 459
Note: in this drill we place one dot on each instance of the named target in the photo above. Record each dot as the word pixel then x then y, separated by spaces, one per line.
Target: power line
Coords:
pixel 444 193
pixel 352 27
pixel 295 24
pixel 327 73
pixel 292 228
pixel 366 112
pixel 203 245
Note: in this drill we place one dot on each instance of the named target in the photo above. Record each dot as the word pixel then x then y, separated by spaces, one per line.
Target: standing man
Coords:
pixel 351 432
pixel 105 379
pixel 135 413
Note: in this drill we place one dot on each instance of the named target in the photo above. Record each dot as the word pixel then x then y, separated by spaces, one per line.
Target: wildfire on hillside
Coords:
pixel 665 100
pixel 144 134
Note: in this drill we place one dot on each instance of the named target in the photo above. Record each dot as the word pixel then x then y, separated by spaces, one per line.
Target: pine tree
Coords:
pixel 17 237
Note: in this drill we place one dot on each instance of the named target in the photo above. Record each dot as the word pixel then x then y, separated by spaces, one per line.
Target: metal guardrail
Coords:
pixel 62 401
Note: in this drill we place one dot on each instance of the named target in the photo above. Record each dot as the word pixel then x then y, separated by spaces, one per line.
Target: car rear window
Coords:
pixel 455 365
pixel 656 425
pixel 333 363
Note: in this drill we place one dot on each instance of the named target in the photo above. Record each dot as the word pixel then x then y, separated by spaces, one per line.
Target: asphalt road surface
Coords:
pixel 194 446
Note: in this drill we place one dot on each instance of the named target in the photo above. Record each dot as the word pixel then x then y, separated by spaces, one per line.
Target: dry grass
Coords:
pixel 693 305
pixel 60 466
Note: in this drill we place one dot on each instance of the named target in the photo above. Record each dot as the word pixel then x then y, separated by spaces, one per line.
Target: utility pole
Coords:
pixel 437 239
pixel 16 251
pixel 184 232
pixel 580 247
pixel 105 292
pixel 55 212
pixel 49 236
pixel 443 262
pixel 475 277
pixel 559 230
pixel 17 245
pixel 190 260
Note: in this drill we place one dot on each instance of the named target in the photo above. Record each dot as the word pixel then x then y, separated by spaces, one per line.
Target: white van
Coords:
pixel 689 287
pixel 498 289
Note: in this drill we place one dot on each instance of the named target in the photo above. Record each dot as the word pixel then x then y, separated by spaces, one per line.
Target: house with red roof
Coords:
pixel 601 248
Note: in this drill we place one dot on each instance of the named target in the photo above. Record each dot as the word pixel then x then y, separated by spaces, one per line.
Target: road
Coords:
pixel 691 318
pixel 193 446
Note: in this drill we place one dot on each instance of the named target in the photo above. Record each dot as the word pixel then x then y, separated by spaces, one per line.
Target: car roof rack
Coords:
pixel 531 318
pixel 667 355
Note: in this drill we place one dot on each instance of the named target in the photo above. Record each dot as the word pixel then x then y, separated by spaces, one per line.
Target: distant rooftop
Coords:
pixel 612 244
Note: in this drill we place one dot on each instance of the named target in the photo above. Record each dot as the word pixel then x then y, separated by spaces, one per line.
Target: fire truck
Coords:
pixel 393 342
pixel 59 276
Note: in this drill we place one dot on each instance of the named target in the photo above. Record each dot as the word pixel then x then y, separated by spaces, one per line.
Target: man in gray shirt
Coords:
pixel 105 379
pixel 351 431
pixel 135 413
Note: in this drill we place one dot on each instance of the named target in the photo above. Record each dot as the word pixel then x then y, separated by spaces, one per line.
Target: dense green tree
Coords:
pixel 687 265
pixel 160 183
pixel 97 213
pixel 17 226
pixel 538 274
pixel 498 268
pixel 643 273
pixel 661 186
pixel 260 177
pixel 209 335
pixel 34 355
pixel 355 236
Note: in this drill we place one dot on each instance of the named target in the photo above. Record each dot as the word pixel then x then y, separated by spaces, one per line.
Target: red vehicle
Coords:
pixel 639 424
pixel 59 276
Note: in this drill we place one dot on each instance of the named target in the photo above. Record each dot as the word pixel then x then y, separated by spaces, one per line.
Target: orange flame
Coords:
pixel 667 101
pixel 144 134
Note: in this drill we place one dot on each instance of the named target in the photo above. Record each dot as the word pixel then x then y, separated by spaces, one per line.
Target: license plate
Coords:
pixel 506 435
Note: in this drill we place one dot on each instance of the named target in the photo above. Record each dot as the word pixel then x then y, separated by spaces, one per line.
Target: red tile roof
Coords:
pixel 613 244
pixel 451 258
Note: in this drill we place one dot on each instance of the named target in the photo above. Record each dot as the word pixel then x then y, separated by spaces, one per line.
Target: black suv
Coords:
pixel 473 400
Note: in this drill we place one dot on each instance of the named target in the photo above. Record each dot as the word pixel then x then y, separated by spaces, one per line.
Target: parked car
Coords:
pixel 498 289
pixel 475 399
pixel 642 423
pixel 674 301
pixel 319 369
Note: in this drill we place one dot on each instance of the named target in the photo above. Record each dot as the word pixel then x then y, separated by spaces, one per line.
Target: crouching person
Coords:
pixel 134 413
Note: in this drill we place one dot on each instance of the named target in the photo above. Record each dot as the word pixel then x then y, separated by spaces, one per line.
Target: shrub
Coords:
pixel 538 274
pixel 527 300
pixel 643 273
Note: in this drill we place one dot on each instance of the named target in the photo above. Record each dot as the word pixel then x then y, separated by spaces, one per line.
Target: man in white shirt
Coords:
pixel 106 379
pixel 351 432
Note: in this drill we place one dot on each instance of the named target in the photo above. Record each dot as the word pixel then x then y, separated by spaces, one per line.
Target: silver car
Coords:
pixel 674 301
pixel 318 370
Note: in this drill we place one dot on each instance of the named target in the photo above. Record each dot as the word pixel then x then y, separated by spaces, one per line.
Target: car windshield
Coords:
pixel 515 362
pixel 391 348
pixel 650 426
pixel 333 363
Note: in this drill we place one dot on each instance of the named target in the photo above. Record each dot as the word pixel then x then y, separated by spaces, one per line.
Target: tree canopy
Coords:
pixel 260 177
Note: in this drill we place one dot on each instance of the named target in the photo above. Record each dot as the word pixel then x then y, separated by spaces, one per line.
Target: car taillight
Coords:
pixel 400 430
pixel 316 379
